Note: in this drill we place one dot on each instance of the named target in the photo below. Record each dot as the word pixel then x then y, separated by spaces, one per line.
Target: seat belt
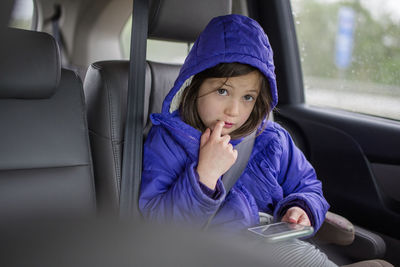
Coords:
pixel 56 31
pixel 55 19
pixel 235 171
pixel 133 144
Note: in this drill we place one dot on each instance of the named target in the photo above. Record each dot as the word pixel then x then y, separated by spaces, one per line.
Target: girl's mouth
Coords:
pixel 228 125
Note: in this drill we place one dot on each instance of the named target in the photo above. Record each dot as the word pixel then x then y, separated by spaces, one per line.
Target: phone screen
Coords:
pixel 282 231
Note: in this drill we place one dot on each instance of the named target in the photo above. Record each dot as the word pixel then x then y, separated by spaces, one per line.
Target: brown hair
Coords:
pixel 261 108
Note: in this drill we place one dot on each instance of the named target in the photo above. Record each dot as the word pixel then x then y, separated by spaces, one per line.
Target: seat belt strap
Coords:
pixel 133 144
pixel 59 37
pixel 244 151
pixel 55 19
pixel 232 175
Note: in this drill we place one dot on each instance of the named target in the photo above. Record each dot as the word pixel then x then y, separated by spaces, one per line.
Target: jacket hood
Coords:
pixel 226 39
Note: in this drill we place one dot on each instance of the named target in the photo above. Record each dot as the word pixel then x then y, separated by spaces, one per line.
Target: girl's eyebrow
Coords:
pixel 216 84
pixel 247 91
pixel 252 90
pixel 227 84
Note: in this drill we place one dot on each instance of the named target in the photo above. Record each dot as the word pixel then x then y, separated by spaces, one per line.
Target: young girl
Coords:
pixel 225 91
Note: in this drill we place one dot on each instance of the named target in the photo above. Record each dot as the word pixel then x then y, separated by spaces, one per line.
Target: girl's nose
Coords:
pixel 232 108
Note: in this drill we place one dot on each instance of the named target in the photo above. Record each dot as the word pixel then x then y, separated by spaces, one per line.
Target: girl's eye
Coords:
pixel 221 91
pixel 248 98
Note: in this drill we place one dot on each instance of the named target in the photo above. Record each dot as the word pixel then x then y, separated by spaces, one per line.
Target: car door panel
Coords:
pixel 355 159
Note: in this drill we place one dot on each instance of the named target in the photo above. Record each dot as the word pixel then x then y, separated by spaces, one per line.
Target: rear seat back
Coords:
pixel 106 86
pixel 163 77
pixel 45 160
pixel 106 91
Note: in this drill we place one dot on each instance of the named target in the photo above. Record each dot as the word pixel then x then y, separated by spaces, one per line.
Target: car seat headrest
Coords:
pixel 183 20
pixel 5 12
pixel 30 65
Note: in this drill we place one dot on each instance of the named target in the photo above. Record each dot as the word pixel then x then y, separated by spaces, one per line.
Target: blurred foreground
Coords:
pixel 115 243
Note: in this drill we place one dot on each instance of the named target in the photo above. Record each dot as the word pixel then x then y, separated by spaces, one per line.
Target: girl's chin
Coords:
pixel 226 131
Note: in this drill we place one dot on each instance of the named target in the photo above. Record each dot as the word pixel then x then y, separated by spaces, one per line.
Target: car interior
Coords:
pixel 75 112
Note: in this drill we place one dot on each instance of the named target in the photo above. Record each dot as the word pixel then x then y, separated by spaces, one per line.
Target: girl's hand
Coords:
pixel 216 155
pixel 296 215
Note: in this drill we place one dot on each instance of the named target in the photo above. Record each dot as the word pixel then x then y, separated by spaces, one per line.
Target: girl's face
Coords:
pixel 228 99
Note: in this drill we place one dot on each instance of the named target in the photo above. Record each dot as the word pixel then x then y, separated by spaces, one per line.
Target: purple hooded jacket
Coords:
pixel 277 175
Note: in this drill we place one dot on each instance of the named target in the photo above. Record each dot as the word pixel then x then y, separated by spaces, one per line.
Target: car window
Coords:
pixel 23 15
pixel 157 50
pixel 350 54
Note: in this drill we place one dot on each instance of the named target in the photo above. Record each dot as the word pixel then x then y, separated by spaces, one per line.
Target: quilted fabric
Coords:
pixel 277 176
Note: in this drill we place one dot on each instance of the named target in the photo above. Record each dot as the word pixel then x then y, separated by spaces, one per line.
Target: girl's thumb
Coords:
pixel 204 137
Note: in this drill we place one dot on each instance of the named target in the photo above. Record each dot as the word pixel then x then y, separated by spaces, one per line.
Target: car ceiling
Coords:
pixel 89 27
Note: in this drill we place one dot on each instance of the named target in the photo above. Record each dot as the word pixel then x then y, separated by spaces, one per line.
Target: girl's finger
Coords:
pixel 303 220
pixel 294 215
pixel 235 154
pixel 204 137
pixel 285 218
pixel 230 147
pixel 226 139
pixel 216 133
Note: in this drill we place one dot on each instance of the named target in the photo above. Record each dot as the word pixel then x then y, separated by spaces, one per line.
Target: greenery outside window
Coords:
pixel 350 54
pixel 157 50
pixel 24 15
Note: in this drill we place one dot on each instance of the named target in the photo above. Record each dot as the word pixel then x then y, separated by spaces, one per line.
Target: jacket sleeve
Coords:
pixel 299 183
pixel 170 188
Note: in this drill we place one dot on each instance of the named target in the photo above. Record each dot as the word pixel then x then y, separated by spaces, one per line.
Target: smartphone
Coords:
pixel 281 231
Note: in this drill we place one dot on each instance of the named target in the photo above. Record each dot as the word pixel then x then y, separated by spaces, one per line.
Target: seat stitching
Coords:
pixel 86 128
pixel 47 167
pixel 112 133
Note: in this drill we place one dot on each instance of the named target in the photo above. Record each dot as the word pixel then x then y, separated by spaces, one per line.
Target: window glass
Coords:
pixel 23 15
pixel 166 52
pixel 157 50
pixel 350 54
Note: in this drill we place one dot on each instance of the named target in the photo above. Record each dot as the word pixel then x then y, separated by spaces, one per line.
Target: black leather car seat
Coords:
pixel 106 86
pixel 45 160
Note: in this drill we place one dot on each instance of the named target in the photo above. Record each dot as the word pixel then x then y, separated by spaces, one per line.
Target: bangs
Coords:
pixel 261 108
